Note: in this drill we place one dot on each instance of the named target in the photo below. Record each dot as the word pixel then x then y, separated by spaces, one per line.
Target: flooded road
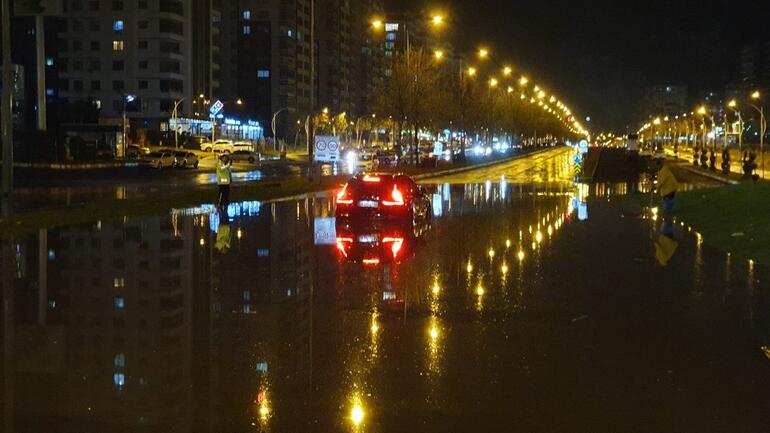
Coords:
pixel 528 303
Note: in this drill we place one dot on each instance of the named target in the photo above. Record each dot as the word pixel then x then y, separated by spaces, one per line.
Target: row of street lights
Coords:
pixel 754 101
pixel 553 106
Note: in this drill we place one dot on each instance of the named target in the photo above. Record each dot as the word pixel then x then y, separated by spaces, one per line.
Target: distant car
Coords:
pixel 158 160
pixel 245 156
pixel 383 196
pixel 223 146
pixel 243 145
pixel 198 142
pixel 134 151
pixel 105 153
pixel 360 160
pixel 185 159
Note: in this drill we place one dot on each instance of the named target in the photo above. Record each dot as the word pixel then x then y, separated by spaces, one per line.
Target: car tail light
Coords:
pixel 397 243
pixel 373 179
pixel 396 198
pixel 343 197
pixel 371 261
pixel 343 244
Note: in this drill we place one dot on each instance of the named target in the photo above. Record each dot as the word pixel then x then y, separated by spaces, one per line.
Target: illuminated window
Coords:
pixel 246 15
pixel 263 73
pixel 118 282
pixel 117 45
pixel 391 27
pixel 289 33
pixel 246 30
pixel 120 360
pixel 117 26
pixel 119 379
pixel 120 303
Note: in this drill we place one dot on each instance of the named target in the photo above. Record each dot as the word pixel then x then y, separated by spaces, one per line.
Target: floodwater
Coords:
pixel 530 305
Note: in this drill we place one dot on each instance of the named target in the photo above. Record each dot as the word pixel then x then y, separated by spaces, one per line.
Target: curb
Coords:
pixel 478 166
pixel 712 176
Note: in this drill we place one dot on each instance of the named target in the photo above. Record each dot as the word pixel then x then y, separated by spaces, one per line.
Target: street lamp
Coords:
pixel 438 54
pixel 273 125
pixel 762 127
pixel 127 99
pixel 472 71
pixel 507 71
pixel 523 81
pixel 176 127
pixel 483 53
pixel 734 104
pixel 493 82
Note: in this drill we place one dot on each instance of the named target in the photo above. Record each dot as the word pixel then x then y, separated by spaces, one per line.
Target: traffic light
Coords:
pixel 27 7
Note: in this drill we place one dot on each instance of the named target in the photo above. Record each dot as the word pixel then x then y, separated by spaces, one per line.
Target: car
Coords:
pixel 245 156
pixel 105 153
pixel 360 160
pixel 243 145
pixel 158 160
pixel 382 196
pixel 184 159
pixel 199 142
pixel 223 146
pixel 134 151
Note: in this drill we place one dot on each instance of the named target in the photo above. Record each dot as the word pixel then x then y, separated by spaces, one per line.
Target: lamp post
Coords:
pixel 273 126
pixel 127 99
pixel 174 117
pixel 762 128
pixel 733 104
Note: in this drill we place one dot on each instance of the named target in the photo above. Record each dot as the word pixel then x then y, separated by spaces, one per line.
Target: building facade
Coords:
pixel 663 100
pixel 138 58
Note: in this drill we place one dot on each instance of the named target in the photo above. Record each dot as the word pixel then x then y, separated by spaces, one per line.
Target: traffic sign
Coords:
pixel 216 107
pixel 327 149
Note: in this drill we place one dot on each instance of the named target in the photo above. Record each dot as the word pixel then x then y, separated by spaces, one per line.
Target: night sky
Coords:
pixel 599 54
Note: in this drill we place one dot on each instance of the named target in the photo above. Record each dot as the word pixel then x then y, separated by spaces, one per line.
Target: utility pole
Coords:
pixel 42 109
pixel 6 115
pixel 310 124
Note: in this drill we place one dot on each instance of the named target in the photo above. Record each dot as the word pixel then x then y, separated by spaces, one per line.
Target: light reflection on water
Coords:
pixel 277 330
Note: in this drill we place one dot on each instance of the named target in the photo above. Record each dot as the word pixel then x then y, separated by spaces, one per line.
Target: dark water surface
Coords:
pixel 526 306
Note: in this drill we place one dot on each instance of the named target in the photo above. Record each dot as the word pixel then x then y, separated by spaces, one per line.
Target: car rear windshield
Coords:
pixel 371 184
pixel 156 154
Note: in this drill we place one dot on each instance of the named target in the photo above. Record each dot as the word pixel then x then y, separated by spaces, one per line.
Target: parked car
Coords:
pixel 105 153
pixel 134 151
pixel 185 159
pixel 223 146
pixel 199 142
pixel 158 160
pixel 243 145
pixel 245 156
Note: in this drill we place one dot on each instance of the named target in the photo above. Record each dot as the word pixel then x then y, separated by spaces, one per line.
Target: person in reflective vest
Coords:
pixel 224 179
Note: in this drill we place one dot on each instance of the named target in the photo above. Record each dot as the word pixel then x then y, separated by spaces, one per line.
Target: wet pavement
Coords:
pixel 528 303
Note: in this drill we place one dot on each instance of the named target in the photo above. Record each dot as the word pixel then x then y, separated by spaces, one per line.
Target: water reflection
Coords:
pixel 169 323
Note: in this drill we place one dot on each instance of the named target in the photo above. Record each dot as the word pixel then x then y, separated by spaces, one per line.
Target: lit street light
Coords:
pixel 762 127
pixel 483 53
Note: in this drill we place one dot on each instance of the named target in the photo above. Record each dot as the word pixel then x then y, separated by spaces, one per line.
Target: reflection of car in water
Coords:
pixel 381 196
pixel 372 243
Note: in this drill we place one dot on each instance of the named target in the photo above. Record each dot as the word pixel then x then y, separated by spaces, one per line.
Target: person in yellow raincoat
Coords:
pixel 667 188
